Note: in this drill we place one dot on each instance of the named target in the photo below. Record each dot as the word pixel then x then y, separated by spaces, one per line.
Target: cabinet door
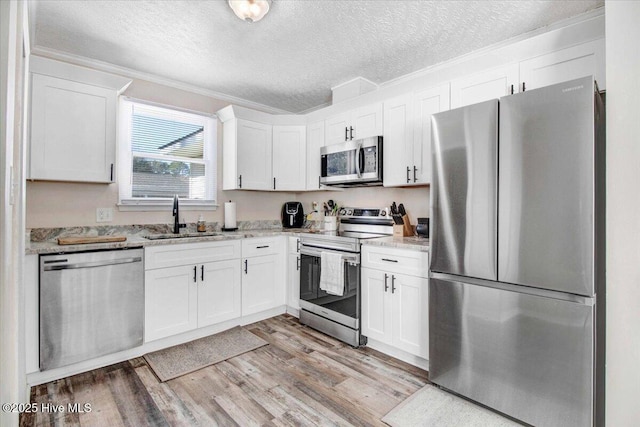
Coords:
pixel 336 128
pixel 219 292
pixel 289 157
pixel 261 287
pixel 376 309
pixel 484 86
pixel 171 301
pixel 398 141
pixel 72 131
pixel 367 121
pixel 254 141
pixel 293 281
pixel 315 141
pixel 410 301
pixel 427 103
pixel 578 61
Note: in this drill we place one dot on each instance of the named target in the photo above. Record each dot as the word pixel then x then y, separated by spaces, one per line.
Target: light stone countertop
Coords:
pixel 415 243
pixel 135 239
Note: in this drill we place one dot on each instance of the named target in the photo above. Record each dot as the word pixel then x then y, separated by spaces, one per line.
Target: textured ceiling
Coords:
pixel 291 58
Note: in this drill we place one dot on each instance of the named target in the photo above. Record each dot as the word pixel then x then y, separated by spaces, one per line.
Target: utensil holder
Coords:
pixel 330 223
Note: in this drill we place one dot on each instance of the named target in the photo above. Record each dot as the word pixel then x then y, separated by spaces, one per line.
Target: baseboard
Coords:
pixel 398 354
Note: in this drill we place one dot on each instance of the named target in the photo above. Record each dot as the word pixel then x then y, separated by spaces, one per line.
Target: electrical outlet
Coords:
pixel 104 214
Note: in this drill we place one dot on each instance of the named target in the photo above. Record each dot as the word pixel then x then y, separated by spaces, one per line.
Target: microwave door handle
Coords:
pixel 359 160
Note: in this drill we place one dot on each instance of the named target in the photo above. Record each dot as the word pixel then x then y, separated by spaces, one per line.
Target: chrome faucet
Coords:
pixel 176 216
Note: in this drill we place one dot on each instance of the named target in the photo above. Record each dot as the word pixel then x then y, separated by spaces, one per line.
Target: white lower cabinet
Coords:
pixel 219 292
pixel 293 273
pixel 263 282
pixel 184 297
pixel 395 308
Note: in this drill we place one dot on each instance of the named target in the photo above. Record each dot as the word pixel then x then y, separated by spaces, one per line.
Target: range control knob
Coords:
pixel 383 213
pixel 349 212
pixel 343 211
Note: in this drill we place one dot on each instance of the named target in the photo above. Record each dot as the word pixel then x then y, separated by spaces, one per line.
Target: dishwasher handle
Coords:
pixel 73 266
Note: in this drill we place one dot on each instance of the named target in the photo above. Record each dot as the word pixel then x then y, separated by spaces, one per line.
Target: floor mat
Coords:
pixel 182 359
pixel 431 406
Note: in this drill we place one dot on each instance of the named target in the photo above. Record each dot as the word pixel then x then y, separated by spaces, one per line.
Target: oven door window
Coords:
pixel 310 291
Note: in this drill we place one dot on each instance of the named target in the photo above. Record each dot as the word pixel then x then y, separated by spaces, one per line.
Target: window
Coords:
pixel 164 152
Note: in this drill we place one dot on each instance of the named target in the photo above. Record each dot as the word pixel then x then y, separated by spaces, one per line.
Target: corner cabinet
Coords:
pixel 395 298
pixel 262 156
pixel 72 129
pixel 315 141
pixel 407 136
pixel 189 286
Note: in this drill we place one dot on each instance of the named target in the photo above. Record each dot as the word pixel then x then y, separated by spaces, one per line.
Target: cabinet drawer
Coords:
pixel 403 261
pixel 190 253
pixel 259 246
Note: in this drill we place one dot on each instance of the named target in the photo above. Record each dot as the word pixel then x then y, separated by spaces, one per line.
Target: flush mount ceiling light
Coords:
pixel 250 10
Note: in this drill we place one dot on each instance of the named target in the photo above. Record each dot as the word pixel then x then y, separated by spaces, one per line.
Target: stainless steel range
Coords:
pixel 338 315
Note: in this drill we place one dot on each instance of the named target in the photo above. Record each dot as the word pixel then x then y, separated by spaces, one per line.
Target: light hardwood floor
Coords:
pixel 302 378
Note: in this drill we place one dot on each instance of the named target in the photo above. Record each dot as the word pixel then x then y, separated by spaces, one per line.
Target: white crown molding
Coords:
pixel 593 14
pixel 130 73
pixel 353 80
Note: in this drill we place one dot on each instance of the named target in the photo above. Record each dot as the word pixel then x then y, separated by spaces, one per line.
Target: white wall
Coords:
pixel 623 213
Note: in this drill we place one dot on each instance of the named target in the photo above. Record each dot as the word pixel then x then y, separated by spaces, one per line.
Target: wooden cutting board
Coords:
pixel 81 240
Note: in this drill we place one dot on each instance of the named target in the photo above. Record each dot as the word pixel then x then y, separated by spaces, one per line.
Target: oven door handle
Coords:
pixel 315 252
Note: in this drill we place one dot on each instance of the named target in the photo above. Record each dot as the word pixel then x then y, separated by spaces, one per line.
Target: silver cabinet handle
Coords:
pixel 298 263
pixel 393 283
pixel 239 181
pixel 246 266
pixel 408 170
pixel 415 169
pixel 386 285
pixel 202 273
pixel 262 247
pixel 346 133
pixel 350 132
pixel 195 273
pixel 389 260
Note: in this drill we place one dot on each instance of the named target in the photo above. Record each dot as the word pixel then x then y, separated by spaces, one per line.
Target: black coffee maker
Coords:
pixel 292 215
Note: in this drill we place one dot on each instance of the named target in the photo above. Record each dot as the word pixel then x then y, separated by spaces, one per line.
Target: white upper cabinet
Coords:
pixel 315 141
pixel 484 86
pixel 577 61
pixel 289 158
pixel 359 123
pixel 262 156
pixel 426 103
pixel 72 122
pixel 397 140
pixel 407 136
pixel 254 148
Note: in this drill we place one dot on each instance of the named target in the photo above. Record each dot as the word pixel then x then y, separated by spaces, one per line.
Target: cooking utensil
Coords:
pixel 401 210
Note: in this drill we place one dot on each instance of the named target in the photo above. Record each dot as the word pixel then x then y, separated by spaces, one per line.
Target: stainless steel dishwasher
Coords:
pixel 91 304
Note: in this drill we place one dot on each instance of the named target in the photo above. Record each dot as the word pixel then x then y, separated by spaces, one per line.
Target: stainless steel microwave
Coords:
pixel 352 163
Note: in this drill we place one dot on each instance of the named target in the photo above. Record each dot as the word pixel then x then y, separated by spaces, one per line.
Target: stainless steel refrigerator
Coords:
pixel 516 296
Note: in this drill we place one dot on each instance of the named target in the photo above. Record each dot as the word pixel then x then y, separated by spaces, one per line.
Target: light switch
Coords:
pixel 104 214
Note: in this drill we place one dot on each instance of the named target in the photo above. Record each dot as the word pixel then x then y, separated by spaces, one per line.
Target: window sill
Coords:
pixel 131 205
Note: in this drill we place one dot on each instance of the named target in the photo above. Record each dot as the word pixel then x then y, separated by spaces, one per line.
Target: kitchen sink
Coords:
pixel 179 236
